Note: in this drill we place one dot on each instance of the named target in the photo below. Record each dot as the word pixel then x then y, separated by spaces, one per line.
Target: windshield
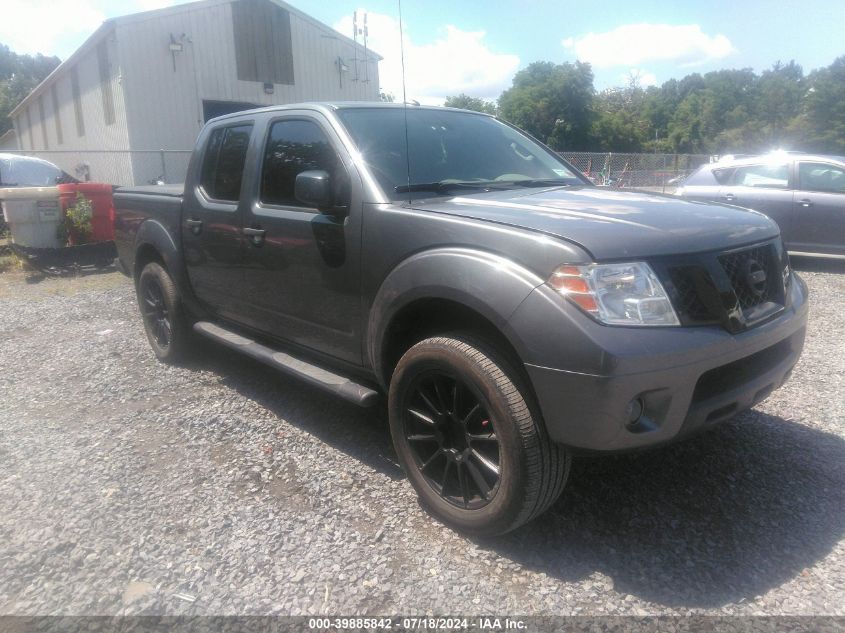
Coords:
pixel 449 148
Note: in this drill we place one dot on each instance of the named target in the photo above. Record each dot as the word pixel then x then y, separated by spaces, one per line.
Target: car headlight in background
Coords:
pixel 786 271
pixel 616 294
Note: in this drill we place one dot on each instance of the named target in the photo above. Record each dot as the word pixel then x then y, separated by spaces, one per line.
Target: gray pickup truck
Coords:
pixel 512 312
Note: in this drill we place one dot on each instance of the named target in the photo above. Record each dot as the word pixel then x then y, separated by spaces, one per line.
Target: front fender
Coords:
pixel 489 284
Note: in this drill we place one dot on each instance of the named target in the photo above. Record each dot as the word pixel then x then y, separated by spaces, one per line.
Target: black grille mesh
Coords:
pixel 698 286
pixel 736 266
pixel 688 300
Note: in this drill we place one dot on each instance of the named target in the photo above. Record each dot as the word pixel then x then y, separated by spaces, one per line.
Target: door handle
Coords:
pixel 256 235
pixel 805 203
pixel 730 197
pixel 194 225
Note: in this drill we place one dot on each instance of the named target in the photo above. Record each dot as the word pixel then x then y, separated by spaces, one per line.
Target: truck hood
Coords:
pixel 614 224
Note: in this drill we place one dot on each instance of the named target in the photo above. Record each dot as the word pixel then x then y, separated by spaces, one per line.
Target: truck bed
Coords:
pixel 149 213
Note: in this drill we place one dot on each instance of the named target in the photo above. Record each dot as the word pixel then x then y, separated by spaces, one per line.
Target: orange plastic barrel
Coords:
pixel 100 195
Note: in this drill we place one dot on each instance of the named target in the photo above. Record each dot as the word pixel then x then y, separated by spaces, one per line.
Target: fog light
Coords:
pixel 634 411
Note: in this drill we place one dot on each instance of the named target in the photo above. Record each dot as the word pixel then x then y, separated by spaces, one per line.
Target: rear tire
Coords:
pixel 465 434
pixel 167 328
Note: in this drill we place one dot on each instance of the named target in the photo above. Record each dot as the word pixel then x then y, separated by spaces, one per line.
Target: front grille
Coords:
pixel 687 297
pixel 736 289
pixel 740 267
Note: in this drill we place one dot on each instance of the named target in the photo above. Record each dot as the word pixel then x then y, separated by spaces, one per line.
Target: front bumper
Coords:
pixel 686 378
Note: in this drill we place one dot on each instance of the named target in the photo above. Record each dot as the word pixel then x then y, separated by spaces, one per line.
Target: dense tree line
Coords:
pixel 724 111
pixel 19 74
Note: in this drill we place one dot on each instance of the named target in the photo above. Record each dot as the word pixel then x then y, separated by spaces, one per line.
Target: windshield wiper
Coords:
pixel 444 186
pixel 542 182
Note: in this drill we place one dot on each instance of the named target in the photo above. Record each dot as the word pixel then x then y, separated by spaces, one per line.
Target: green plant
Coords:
pixel 77 224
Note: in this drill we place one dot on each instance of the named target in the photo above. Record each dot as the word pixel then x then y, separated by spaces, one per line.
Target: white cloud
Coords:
pixel 686 45
pixel 37 26
pixel 457 61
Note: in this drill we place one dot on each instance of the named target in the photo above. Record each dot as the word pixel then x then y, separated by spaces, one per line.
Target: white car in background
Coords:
pixel 17 170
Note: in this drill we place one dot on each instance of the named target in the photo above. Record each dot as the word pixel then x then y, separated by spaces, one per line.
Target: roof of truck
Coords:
pixel 342 105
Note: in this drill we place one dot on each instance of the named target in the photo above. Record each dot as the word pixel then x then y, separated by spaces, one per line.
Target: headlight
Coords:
pixel 616 294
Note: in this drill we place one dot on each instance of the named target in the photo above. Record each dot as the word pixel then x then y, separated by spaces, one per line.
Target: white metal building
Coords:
pixel 8 140
pixel 147 82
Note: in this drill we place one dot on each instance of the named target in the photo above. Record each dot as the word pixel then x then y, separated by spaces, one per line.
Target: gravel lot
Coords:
pixel 220 487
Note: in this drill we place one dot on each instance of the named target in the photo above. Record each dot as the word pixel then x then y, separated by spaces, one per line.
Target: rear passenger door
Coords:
pixel 819 212
pixel 212 219
pixel 764 187
pixel 302 273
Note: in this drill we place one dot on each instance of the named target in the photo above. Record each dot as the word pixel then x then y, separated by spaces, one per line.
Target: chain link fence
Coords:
pixel 652 172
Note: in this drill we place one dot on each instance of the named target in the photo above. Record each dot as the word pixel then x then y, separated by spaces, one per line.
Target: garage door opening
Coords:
pixel 211 109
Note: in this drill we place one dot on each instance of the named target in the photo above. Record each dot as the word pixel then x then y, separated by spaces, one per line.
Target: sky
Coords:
pixel 476 46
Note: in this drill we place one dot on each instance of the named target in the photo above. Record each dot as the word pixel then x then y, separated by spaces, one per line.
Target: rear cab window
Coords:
pixel 223 163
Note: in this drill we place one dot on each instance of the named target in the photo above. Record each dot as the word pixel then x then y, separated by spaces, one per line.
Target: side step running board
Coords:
pixel 317 376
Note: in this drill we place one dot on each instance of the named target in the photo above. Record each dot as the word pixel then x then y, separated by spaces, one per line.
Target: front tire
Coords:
pixel 165 324
pixel 478 457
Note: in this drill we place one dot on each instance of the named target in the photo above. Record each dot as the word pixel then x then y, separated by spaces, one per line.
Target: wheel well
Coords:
pixel 424 318
pixel 146 254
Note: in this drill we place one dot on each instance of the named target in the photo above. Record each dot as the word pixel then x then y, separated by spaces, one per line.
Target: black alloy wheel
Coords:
pixel 154 311
pixel 467 437
pixel 166 321
pixel 453 440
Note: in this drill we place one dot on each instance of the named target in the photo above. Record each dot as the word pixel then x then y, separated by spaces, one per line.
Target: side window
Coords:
pixel 770 176
pixel 223 163
pixel 821 177
pixel 295 146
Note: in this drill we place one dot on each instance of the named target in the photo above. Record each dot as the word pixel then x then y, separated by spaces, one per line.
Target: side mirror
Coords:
pixel 314 188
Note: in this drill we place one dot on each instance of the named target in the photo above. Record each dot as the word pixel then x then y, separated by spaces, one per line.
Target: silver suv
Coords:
pixel 803 193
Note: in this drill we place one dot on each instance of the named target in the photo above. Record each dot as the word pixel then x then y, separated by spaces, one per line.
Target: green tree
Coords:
pixel 19 74
pixel 778 101
pixel 686 129
pixel 619 123
pixel 821 125
pixel 552 102
pixel 466 102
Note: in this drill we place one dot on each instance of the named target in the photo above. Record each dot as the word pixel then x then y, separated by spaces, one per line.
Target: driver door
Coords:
pixel 302 277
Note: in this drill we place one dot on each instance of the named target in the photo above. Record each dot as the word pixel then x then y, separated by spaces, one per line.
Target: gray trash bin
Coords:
pixel 33 215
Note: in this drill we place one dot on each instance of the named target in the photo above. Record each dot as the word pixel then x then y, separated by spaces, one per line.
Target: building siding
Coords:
pixel 158 95
pixel 56 114
pixel 206 69
pixel 93 148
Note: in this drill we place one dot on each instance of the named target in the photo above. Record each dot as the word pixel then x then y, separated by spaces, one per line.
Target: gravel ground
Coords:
pixel 220 487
